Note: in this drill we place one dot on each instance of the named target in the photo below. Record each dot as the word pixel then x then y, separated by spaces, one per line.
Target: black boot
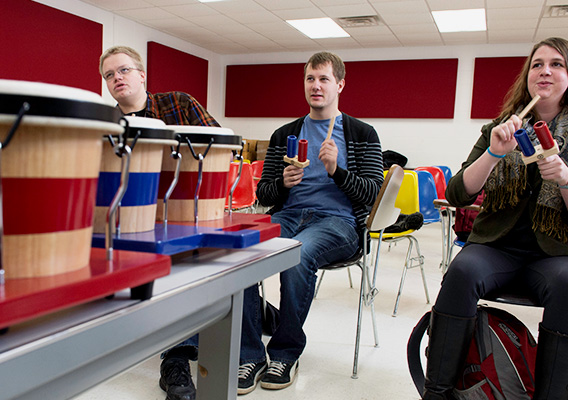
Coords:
pixel 175 379
pixel 551 380
pixel 448 345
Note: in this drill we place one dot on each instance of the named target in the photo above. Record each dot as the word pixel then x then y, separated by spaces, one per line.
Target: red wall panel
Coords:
pixel 41 43
pixel 174 70
pixel 374 89
pixel 265 90
pixel 400 88
pixel 492 79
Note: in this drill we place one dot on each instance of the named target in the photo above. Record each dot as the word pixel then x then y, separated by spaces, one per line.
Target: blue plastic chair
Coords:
pixel 427 194
pixel 447 172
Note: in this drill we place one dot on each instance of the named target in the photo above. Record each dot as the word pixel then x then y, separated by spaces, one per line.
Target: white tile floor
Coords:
pixel 325 366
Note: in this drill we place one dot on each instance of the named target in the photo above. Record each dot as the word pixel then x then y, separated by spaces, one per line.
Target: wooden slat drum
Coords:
pixel 49 176
pixel 211 202
pixel 137 212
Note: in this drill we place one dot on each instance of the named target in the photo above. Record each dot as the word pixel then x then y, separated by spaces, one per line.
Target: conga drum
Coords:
pixel 49 173
pixel 147 138
pixel 215 171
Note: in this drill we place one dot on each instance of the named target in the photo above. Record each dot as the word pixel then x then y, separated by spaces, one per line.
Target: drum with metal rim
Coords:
pixel 217 146
pixel 49 172
pixel 137 213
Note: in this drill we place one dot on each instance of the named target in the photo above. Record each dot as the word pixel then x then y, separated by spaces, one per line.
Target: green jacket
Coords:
pixel 491 226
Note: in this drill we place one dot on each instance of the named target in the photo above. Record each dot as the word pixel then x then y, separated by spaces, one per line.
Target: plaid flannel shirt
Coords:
pixel 178 108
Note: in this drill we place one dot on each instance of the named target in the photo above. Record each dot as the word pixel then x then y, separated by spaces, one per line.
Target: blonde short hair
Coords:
pixel 129 51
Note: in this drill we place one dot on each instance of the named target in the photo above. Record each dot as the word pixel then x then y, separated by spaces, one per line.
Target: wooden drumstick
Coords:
pixel 529 106
pixel 330 129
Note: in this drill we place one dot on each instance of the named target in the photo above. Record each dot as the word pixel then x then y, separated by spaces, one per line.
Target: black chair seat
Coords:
pixel 345 263
pixel 512 295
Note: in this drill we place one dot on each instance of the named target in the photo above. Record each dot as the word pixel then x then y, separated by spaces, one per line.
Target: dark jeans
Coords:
pixel 479 269
pixel 325 239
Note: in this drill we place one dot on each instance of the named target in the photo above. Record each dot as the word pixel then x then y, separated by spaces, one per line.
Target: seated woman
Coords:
pixel 520 235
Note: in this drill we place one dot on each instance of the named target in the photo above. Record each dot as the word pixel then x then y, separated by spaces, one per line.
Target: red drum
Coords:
pixel 137 211
pixel 49 175
pixel 215 172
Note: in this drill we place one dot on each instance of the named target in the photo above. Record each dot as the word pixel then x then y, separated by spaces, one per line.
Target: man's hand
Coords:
pixel 292 176
pixel 328 156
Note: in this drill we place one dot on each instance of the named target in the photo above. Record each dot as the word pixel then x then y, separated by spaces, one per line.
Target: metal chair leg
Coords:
pixel 421 264
pixel 358 334
pixel 319 283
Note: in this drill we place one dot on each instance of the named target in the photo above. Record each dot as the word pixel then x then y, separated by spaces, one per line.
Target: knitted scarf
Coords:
pixel 508 181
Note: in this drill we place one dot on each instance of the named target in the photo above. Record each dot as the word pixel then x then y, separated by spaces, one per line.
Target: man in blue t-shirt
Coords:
pixel 323 205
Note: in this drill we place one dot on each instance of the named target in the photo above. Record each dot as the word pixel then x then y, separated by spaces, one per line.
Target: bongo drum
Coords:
pixel 49 173
pixel 216 145
pixel 137 213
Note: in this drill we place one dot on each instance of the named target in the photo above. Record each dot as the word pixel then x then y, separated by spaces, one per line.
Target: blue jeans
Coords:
pixel 325 239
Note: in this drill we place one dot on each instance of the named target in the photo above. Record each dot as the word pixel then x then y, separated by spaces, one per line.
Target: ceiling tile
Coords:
pixel 439 5
pixel 162 3
pixel 119 4
pixel 167 23
pixel 511 36
pixel 415 28
pixel 252 18
pixel 420 39
pixel 331 3
pixel 284 5
pixel 514 3
pixel 191 10
pixel 454 38
pixel 401 7
pixel 300 13
pixel 349 10
pixel 144 14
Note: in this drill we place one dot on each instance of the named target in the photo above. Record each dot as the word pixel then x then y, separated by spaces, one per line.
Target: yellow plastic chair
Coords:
pixel 408 203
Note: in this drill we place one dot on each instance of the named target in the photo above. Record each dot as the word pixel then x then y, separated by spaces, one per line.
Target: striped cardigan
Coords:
pixel 361 181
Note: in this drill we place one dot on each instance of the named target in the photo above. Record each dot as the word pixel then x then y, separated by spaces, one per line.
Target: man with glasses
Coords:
pixel 123 70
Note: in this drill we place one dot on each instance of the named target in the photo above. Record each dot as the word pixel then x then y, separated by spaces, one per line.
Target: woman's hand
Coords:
pixel 553 169
pixel 503 136
pixel 292 176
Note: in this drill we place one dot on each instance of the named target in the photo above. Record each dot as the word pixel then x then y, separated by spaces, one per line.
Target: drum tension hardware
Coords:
pixel 121 149
pixel 199 158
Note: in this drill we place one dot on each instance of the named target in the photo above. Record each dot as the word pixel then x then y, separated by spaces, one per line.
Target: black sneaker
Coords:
pixel 175 379
pixel 280 375
pixel 249 375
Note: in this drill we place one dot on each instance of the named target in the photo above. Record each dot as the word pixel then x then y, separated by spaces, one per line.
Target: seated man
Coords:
pixel 123 70
pixel 323 205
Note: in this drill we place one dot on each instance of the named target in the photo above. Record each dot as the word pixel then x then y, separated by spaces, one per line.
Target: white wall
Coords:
pixel 423 141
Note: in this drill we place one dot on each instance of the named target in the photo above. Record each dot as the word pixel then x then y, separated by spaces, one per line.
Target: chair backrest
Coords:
pixel 257 168
pixel 447 172
pixel 408 199
pixel 439 180
pixel 384 212
pixel 243 196
pixel 428 193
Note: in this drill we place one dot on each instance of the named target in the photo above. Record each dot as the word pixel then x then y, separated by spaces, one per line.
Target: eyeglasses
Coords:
pixel 121 71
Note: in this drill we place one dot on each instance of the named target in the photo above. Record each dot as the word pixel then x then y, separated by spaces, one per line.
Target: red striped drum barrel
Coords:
pixel 216 164
pixel 49 175
pixel 138 206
